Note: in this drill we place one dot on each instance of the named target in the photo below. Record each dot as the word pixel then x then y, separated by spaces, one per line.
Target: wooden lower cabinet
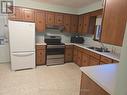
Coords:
pixel 93 61
pixel 105 60
pixel 79 58
pixel 114 61
pixel 68 53
pixel 40 55
pixel 75 54
pixel 85 59
pixel 89 87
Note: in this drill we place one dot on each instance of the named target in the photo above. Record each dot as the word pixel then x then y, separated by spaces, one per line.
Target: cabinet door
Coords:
pixel 67 22
pixel 79 58
pixel 17 14
pixel 28 14
pixel 114 22
pixel 85 59
pixel 89 87
pixel 68 53
pixel 74 23
pixel 50 18
pixel 75 54
pixel 80 24
pixel 93 61
pixel 40 21
pixel 86 23
pixel 58 19
pixel 106 60
pixel 40 55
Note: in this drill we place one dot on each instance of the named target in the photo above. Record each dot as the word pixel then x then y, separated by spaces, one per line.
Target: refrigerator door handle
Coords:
pixel 23 54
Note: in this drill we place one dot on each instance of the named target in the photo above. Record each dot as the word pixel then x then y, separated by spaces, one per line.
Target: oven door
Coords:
pixel 55 49
pixel 55 55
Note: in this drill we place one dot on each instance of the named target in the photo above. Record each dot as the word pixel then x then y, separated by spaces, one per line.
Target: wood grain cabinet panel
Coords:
pixel 40 55
pixel 85 59
pixel 114 61
pixel 74 23
pixel 75 54
pixel 93 61
pixel 28 15
pixel 85 23
pixel 17 15
pixel 79 58
pixel 114 22
pixel 67 22
pixel 58 19
pixel 40 20
pixel 50 18
pixel 80 24
pixel 89 87
pixel 105 60
pixel 68 53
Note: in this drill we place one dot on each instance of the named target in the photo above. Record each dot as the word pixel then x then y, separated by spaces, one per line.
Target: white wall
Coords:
pixel 4 49
pixel 44 6
pixel 57 8
pixel 121 83
pixel 89 8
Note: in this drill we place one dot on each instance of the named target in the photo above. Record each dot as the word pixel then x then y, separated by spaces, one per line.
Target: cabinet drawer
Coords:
pixel 40 47
pixel 106 60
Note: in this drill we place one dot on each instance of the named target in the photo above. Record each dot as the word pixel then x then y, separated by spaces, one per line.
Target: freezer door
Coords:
pixel 22 60
pixel 22 36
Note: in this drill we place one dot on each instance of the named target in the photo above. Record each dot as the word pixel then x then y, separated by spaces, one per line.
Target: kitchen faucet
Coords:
pixel 103 47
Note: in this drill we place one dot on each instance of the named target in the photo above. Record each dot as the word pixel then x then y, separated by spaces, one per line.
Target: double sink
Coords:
pixel 99 49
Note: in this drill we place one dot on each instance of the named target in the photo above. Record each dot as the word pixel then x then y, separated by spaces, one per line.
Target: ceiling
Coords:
pixel 69 3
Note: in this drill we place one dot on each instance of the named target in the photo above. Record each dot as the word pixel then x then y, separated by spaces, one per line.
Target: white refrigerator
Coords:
pixel 22 44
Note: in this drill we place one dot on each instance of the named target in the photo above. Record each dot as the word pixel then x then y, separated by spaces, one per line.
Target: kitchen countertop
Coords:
pixel 106 54
pixel 103 75
pixel 40 43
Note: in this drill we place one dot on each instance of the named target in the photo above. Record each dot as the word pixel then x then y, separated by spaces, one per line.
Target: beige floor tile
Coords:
pixel 44 80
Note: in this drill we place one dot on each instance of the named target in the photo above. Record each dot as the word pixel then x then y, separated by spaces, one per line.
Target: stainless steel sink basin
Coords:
pixel 98 49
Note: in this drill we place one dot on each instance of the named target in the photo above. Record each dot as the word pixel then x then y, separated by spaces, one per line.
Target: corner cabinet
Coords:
pixel 114 21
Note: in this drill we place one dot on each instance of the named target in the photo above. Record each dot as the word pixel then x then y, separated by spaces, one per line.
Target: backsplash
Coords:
pixel 66 39
pixel 114 49
pixel 52 32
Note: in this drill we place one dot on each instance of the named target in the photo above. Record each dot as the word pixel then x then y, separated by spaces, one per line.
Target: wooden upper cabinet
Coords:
pixel 28 14
pixel 97 13
pixel 58 19
pixel 40 20
pixel 86 23
pixel 114 22
pixel 74 23
pixel 50 18
pixel 67 22
pixel 17 14
pixel 80 24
